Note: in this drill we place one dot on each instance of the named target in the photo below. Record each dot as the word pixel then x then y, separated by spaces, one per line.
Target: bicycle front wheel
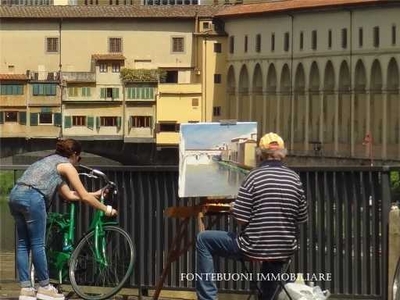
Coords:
pixel 97 278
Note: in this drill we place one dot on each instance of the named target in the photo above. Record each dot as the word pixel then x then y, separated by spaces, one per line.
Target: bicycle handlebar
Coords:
pixel 94 173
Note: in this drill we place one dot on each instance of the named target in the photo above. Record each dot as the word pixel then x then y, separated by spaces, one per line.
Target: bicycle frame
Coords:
pixel 58 260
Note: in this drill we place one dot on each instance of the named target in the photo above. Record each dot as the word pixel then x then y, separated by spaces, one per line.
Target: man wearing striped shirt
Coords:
pixel 270 205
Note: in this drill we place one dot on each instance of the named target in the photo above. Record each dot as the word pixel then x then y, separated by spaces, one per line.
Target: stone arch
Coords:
pixel 376 104
pixel 328 108
pixel 231 93
pixel 314 77
pixel 244 103
pixel 360 78
pixel 315 105
pixel 393 75
pixel 271 78
pixel 257 79
pixel 271 107
pixel 360 107
pixel 300 106
pixel 393 110
pixel 329 77
pixel 285 109
pixel 258 98
pixel 344 110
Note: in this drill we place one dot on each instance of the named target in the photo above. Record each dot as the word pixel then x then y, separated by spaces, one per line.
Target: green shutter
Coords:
pixel 1 117
pixel 70 92
pixel 34 119
pixel 57 119
pixel 119 122
pixel 102 93
pixel 133 93
pixel 90 122
pixel 35 89
pixel 98 122
pixel 115 93
pixel 67 122
pixel 151 93
pixel 22 117
pixel 130 122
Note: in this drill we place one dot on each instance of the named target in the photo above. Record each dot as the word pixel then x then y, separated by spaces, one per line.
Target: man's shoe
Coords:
pixel 49 293
pixel 27 294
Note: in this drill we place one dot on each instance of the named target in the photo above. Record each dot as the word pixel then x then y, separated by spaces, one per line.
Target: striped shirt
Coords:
pixel 271 201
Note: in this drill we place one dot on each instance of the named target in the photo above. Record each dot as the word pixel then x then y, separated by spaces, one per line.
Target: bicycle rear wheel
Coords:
pixel 94 280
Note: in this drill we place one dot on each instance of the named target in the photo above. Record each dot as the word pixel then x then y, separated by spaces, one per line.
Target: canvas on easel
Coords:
pixel 214 158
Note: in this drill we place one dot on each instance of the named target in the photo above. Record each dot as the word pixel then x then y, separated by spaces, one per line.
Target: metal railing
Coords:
pixel 344 242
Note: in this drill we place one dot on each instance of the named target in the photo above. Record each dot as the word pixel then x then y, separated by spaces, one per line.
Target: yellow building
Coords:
pixel 323 74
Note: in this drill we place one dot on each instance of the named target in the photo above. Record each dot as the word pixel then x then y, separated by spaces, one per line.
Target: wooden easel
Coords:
pixel 185 213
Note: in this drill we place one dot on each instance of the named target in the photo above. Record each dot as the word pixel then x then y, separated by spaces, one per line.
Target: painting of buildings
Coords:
pixel 214 158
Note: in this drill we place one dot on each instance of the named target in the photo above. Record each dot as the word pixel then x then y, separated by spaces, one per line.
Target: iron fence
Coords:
pixel 343 244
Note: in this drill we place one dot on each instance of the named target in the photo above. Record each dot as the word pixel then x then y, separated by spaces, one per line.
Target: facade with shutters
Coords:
pixel 324 75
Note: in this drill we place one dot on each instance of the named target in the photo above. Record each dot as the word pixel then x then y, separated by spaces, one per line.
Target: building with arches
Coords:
pixel 324 74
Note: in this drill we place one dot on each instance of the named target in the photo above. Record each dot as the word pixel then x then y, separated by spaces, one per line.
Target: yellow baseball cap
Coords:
pixel 271 141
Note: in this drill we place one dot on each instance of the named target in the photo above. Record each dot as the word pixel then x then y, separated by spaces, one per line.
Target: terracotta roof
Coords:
pixel 13 77
pixel 108 56
pixel 108 11
pixel 293 5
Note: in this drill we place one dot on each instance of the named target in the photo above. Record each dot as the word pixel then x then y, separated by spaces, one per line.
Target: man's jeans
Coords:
pixel 222 243
pixel 28 208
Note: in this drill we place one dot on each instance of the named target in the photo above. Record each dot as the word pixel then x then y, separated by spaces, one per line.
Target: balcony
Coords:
pixel 179 88
pixel 79 77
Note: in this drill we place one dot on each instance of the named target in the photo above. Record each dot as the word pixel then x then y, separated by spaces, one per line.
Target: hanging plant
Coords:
pixel 143 75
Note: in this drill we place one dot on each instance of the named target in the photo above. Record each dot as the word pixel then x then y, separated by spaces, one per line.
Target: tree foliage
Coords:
pixel 143 75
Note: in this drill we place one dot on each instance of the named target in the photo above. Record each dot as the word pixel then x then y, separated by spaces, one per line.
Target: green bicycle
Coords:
pixel 102 261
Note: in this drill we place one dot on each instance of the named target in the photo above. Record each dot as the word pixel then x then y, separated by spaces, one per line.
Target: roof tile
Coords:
pixel 13 77
pixel 291 5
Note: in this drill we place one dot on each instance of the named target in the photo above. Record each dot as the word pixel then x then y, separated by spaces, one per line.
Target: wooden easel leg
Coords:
pixel 173 255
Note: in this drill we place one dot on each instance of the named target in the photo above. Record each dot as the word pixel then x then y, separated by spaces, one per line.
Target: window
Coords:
pixel 246 43
pixel 360 37
pixel 52 45
pixel 178 45
pixel 206 25
pixel 115 45
pixel 314 40
pixel 45 118
pixel 329 39
pixel 394 35
pixel 116 67
pixel 301 46
pixel 112 93
pixel 103 68
pixel 10 116
pixel 286 42
pixel 216 111
pixel 141 121
pixel 344 38
pixel 141 93
pixel 217 78
pixel 79 121
pixel 73 92
pixel 258 43
pixel 86 92
pixel 376 36
pixel 168 127
pixel 231 44
pixel 217 47
pixel 108 121
pixel 172 76
pixel 43 89
pixel 11 89
pixel 272 41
